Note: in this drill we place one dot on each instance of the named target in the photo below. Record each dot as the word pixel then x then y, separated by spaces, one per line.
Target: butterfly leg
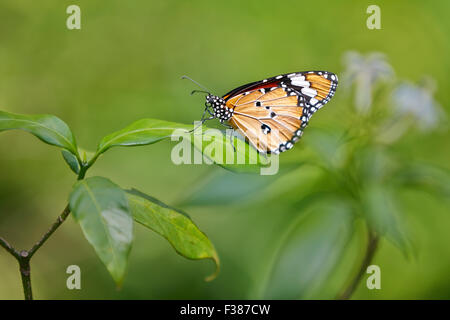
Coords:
pixel 200 124
pixel 232 141
pixel 202 121
pixel 231 136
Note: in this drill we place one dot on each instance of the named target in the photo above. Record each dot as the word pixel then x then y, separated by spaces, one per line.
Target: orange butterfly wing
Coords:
pixel 272 113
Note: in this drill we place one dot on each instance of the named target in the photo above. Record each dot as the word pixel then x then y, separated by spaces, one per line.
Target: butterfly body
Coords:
pixel 220 110
pixel 273 112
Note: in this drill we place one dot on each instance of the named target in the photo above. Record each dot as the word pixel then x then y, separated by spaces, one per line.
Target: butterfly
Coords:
pixel 272 113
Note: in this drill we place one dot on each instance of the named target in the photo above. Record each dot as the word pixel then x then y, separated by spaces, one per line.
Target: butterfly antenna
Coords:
pixel 202 91
pixel 201 86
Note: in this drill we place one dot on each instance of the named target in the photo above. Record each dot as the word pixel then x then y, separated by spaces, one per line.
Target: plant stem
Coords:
pixel 61 218
pixel 25 273
pixel 23 257
pixel 372 244
pixel 5 244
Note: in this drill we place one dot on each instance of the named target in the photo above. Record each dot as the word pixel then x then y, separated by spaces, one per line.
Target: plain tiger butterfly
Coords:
pixel 272 113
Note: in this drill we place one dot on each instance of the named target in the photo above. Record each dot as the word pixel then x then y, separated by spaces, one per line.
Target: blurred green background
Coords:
pixel 125 64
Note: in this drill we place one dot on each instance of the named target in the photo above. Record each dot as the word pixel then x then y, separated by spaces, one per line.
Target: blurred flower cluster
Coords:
pixel 410 106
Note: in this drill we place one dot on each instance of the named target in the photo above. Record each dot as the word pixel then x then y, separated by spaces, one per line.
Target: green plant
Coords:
pixel 342 192
pixel 104 210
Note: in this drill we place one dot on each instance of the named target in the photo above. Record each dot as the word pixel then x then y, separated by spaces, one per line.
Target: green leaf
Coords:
pixel 139 133
pixel 101 208
pixel 48 128
pixel 374 164
pixel 328 146
pixel 217 148
pixel 426 177
pixel 309 250
pixel 293 187
pixel 230 185
pixel 214 145
pixel 71 160
pixel 383 215
pixel 174 225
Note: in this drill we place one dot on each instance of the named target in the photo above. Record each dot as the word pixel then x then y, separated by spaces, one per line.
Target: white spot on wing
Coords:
pixel 309 92
pixel 313 101
pixel 298 78
pixel 300 83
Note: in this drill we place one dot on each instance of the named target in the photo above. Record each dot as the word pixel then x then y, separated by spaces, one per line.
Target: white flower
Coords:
pixel 413 107
pixel 364 72
pixel 418 102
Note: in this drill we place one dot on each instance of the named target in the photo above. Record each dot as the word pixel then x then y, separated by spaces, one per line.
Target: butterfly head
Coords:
pixel 218 108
